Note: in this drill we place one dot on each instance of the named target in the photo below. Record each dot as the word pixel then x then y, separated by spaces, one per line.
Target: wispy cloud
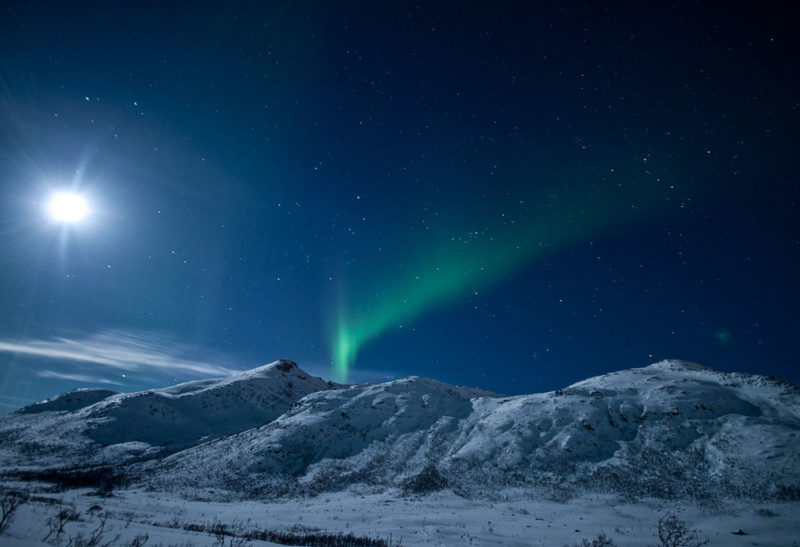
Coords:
pixel 83 378
pixel 127 351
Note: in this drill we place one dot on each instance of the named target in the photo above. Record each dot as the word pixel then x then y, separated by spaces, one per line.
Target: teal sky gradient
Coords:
pixel 446 268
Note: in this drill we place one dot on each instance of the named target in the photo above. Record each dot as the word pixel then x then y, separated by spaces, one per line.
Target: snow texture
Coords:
pixel 101 427
pixel 670 430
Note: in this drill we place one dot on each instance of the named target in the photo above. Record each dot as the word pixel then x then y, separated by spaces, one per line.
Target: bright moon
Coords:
pixel 67 207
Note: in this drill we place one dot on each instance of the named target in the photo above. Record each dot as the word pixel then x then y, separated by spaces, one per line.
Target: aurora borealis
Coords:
pixel 507 196
pixel 451 267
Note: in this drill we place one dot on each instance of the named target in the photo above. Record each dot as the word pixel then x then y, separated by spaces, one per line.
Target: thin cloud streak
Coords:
pixel 83 378
pixel 119 350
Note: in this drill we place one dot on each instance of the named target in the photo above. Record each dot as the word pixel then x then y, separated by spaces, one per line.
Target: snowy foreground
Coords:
pixel 438 519
pixel 276 455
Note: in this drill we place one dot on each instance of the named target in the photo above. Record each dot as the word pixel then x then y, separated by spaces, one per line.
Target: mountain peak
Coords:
pixel 279 368
pixel 285 365
pixel 680 364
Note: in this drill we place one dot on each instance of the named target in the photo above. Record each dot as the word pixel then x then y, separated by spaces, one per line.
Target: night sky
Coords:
pixel 508 196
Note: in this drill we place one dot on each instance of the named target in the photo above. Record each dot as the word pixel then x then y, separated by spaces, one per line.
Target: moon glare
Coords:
pixel 67 207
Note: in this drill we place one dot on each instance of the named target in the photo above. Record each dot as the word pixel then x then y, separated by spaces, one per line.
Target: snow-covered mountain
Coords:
pixel 670 429
pixel 673 429
pixel 97 427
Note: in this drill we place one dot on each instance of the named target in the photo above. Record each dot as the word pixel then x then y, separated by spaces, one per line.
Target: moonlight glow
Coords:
pixel 67 207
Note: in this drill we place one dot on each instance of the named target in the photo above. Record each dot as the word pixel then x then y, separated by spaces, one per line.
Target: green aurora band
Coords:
pixel 451 268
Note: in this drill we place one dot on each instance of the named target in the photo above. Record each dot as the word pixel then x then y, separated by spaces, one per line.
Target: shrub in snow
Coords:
pixel 140 540
pixel 96 538
pixel 104 478
pixel 236 535
pixel 56 523
pixel 9 504
pixel 674 533
pixel 600 541
pixel 425 482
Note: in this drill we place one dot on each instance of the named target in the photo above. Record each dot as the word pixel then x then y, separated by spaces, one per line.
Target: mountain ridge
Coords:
pixel 670 429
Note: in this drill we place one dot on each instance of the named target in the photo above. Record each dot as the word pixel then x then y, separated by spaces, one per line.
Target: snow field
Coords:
pixel 441 519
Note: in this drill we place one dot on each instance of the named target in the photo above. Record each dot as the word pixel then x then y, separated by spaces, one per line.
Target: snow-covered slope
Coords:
pixel 330 439
pixel 92 427
pixel 69 401
pixel 672 429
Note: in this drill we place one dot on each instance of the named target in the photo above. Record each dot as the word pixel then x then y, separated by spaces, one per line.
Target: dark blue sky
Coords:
pixel 502 196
